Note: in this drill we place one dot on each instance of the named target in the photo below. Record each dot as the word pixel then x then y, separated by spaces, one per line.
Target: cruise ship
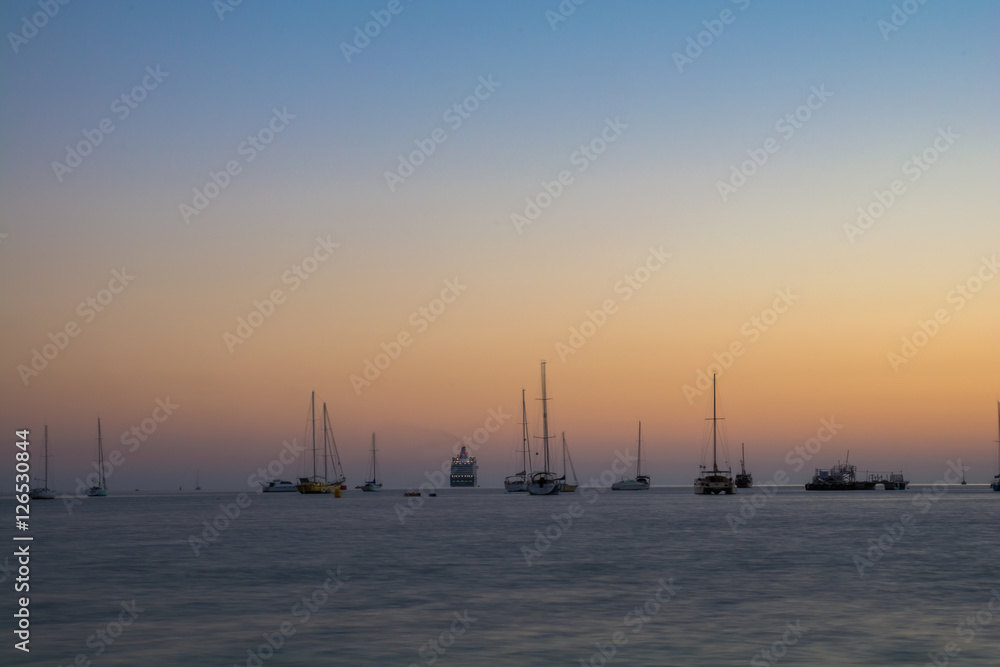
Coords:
pixel 464 469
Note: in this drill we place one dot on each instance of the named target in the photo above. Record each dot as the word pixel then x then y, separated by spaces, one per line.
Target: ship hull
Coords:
pixel 714 485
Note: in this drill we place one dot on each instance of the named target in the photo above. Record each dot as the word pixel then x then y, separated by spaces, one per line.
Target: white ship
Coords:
pixel 464 470
pixel 279 486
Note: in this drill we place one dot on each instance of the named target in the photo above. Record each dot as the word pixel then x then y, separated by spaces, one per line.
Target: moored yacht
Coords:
pixel 544 482
pixel 518 482
pixel 641 482
pixel 714 481
pixel 278 486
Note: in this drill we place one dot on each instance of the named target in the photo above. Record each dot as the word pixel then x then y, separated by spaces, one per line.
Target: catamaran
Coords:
pixel 317 484
pixel 996 480
pixel 744 480
pixel 715 481
pixel 373 485
pixel 101 489
pixel 565 486
pixel 641 482
pixel 518 482
pixel 44 492
pixel 544 482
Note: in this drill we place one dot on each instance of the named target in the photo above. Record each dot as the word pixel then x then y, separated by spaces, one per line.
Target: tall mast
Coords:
pixel 715 464
pixel 374 469
pixel 998 437
pixel 743 457
pixel 46 456
pixel 638 462
pixel 545 419
pixel 325 476
pixel 100 452
pixel 312 412
pixel 564 454
pixel 525 459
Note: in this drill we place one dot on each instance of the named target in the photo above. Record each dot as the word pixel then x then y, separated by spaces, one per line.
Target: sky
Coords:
pixel 210 210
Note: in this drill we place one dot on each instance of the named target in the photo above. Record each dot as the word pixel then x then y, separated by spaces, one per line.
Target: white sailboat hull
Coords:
pixel 713 485
pixel 515 486
pixel 371 487
pixel 630 485
pixel 97 492
pixel 43 494
pixel 543 484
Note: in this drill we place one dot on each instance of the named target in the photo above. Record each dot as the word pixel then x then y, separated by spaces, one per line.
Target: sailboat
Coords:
pixel 544 482
pixel 564 486
pixel 317 484
pixel 641 482
pixel 717 481
pixel 44 492
pixel 518 482
pixel 373 485
pixel 197 480
pixel 744 480
pixel 996 480
pixel 102 489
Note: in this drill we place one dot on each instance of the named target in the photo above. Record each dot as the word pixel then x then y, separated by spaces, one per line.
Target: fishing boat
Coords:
pixel 101 489
pixel 641 482
pixel 715 481
pixel 996 480
pixel 279 486
pixel 544 482
pixel 518 482
pixel 744 480
pixel 565 486
pixel 373 485
pixel 317 484
pixel 44 492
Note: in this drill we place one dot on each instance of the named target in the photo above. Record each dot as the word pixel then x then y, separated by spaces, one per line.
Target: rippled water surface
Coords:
pixel 463 553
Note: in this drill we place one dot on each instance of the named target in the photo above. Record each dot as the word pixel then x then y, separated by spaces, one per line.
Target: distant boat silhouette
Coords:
pixel 44 492
pixel 373 485
pixel 996 480
pixel 518 482
pixel 641 482
pixel 544 482
pixel 717 481
pixel 102 489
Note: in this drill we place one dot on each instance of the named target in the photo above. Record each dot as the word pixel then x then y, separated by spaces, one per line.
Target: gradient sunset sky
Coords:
pixel 661 131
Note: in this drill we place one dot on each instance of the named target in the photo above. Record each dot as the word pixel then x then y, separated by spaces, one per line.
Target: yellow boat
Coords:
pixel 317 484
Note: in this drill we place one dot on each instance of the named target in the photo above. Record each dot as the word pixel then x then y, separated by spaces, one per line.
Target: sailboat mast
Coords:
pixel 525 459
pixel 545 420
pixel 100 452
pixel 312 416
pixel 638 462
pixel 46 456
pixel 564 453
pixel 325 475
pixel 715 464
pixel 374 465
pixel 998 437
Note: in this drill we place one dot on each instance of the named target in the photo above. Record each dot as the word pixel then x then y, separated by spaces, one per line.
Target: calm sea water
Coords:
pixel 454 572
